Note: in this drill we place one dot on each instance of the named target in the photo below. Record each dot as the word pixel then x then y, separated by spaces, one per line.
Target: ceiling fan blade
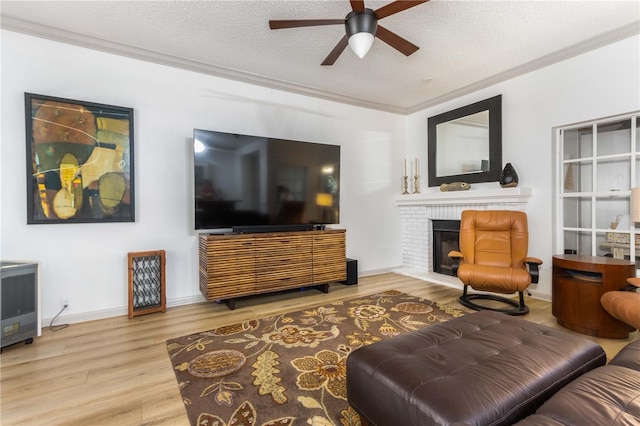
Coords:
pixel 395 41
pixel 295 23
pixel 333 56
pixel 357 5
pixel 396 6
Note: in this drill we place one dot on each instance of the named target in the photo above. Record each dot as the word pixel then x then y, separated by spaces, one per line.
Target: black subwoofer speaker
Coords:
pixel 352 272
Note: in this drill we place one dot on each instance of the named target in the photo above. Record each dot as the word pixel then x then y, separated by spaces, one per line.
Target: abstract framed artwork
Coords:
pixel 80 166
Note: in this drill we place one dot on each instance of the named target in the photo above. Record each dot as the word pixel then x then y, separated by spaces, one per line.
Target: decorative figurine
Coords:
pixel 405 185
pixel 508 177
pixel 455 186
pixel 405 180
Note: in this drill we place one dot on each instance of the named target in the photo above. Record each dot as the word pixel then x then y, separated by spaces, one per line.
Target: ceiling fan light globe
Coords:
pixel 360 43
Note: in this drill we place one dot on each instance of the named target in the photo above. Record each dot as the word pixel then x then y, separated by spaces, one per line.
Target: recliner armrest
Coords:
pixel 455 254
pixel 633 284
pixel 456 258
pixel 532 264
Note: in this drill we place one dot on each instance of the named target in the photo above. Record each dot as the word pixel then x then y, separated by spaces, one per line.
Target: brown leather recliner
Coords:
pixel 624 304
pixel 493 258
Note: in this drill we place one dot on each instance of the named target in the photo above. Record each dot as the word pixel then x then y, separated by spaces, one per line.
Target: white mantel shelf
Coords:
pixel 471 196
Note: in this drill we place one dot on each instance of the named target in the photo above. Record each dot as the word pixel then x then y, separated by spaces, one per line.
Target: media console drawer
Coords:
pixel 237 265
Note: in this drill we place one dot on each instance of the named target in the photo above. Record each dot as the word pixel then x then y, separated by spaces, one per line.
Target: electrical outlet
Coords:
pixel 64 303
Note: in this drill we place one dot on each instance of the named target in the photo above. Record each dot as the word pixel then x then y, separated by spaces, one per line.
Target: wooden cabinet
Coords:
pixel 326 249
pixel 283 262
pixel 229 262
pixel 237 265
pixel 578 283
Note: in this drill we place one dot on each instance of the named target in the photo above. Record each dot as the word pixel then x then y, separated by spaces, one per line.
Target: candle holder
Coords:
pixel 405 185
pixel 416 184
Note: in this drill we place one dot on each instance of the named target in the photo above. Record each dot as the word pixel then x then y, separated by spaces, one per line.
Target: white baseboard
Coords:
pixel 432 277
pixel 197 298
pixel 84 316
pixel 124 310
pixel 114 312
pixel 371 272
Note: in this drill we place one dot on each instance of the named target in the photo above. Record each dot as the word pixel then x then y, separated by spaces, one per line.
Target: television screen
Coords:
pixel 253 181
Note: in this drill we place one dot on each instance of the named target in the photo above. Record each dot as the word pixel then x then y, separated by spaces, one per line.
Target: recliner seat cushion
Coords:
pixel 494 278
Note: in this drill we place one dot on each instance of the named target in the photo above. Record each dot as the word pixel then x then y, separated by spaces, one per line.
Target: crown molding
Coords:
pixel 561 55
pixel 42 31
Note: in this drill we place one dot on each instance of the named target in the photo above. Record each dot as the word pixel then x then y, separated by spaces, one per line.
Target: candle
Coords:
pixel 405 167
pixel 417 172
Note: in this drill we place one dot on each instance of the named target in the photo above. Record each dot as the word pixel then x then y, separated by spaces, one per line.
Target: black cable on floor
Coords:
pixel 58 327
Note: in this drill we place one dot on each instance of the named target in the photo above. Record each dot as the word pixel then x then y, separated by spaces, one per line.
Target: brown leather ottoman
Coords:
pixel 485 368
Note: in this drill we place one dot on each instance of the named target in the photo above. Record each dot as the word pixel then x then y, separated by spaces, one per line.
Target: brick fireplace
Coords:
pixel 418 211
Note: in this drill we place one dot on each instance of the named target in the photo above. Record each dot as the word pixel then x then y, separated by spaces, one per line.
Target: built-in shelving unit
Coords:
pixel 598 163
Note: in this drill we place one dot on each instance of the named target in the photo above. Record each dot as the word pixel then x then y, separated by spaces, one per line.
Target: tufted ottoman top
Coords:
pixel 485 368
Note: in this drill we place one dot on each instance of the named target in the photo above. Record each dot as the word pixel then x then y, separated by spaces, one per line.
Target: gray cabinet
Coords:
pixel 19 302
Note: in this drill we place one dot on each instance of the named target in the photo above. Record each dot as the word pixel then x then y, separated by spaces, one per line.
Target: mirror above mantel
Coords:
pixel 465 144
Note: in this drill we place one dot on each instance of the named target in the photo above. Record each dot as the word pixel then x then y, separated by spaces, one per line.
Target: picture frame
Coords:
pixel 80 161
pixel 447 144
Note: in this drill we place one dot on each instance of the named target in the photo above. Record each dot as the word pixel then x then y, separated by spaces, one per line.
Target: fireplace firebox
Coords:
pixel 446 236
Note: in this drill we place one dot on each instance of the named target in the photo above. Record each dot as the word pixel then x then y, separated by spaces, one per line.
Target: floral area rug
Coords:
pixel 290 369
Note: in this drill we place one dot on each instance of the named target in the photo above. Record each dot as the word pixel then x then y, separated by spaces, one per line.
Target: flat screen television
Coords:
pixel 253 183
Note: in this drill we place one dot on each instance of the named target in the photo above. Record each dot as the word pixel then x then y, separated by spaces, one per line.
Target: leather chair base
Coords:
pixel 514 308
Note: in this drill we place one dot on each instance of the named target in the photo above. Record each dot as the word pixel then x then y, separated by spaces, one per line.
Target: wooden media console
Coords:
pixel 237 265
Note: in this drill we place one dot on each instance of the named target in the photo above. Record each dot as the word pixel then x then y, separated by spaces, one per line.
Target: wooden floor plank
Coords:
pixel 117 371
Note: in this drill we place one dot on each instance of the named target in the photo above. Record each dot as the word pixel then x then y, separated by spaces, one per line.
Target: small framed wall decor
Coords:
pixel 80 165
pixel 146 282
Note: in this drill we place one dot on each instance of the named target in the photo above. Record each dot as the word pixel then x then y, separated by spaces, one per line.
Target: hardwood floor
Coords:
pixel 116 371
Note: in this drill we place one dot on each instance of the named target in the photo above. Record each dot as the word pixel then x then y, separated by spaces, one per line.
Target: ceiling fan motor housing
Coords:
pixel 361 21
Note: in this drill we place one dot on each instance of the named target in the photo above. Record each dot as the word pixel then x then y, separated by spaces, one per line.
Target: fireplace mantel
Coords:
pixel 473 196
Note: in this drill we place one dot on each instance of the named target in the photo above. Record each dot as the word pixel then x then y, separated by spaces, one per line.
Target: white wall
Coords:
pixel 86 263
pixel 597 84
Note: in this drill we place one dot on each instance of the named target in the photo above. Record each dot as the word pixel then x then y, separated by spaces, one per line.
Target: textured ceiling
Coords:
pixel 464 45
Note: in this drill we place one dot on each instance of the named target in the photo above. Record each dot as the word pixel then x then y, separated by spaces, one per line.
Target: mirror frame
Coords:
pixel 494 106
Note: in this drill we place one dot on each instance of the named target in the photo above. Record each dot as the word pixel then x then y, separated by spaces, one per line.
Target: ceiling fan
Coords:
pixel 361 25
